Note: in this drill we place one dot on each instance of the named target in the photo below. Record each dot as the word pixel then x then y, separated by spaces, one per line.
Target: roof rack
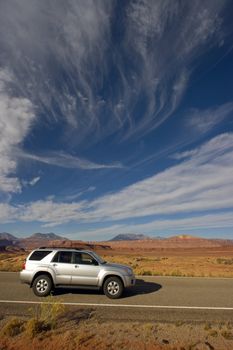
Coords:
pixel 73 248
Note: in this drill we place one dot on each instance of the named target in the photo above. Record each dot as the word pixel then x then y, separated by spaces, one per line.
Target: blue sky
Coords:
pixel 116 117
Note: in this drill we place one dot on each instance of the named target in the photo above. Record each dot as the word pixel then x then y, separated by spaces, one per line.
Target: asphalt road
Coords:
pixel 165 299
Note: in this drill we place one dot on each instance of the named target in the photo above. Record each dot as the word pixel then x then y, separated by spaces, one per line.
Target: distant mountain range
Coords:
pixel 132 237
pixel 8 236
pixel 44 236
pixel 8 242
pixel 35 240
pixel 129 237
pixel 122 240
pixel 48 236
pixel 141 242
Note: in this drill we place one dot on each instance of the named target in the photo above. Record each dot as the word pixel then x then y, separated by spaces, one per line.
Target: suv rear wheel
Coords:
pixel 113 287
pixel 42 285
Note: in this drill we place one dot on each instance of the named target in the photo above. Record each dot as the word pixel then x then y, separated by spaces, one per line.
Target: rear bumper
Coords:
pixel 25 277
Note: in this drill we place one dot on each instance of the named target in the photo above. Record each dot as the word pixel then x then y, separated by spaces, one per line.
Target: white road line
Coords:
pixel 124 305
pixel 184 277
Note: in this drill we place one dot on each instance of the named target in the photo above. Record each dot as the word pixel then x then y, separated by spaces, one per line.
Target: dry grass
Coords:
pixel 227 334
pixel 12 328
pixel 177 265
pixel 170 262
pixel 45 317
pixel 80 329
pixel 12 262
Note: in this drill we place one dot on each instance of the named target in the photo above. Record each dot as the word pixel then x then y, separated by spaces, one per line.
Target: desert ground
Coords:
pixel 153 258
pixel 178 256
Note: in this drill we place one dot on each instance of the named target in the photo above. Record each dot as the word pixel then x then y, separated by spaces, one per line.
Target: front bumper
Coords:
pixel 129 281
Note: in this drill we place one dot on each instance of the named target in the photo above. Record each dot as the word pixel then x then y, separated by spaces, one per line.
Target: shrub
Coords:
pixel 13 327
pixel 213 333
pixel 227 335
pixel 146 273
pixel 224 261
pixel 207 327
pixel 45 317
pixel 34 327
pixel 176 273
pixel 50 311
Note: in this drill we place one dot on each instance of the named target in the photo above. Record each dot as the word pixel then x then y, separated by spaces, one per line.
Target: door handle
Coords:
pixel 76 266
pixel 54 264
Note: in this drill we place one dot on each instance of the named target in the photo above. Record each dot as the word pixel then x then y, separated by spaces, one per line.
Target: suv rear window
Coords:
pixel 39 254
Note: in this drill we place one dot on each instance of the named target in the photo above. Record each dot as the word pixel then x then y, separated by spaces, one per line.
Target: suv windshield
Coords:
pixel 98 258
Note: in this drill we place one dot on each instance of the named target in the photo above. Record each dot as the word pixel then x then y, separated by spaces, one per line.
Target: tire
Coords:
pixel 42 285
pixel 113 287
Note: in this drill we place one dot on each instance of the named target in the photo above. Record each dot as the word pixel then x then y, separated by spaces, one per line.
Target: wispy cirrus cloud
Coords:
pixel 34 181
pixel 200 183
pixel 165 48
pixel 75 196
pixel 31 182
pixel 205 120
pixel 44 43
pixel 17 117
pixel 64 160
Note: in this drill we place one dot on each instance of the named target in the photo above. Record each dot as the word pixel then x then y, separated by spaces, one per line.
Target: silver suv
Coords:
pixel 48 268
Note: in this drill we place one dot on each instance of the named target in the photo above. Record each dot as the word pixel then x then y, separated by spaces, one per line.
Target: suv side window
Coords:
pixel 63 257
pixel 84 259
pixel 39 254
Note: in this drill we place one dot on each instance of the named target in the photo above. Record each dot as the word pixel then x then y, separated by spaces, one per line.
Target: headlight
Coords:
pixel 129 271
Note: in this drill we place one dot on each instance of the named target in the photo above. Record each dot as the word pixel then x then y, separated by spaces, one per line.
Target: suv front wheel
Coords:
pixel 113 287
pixel 42 285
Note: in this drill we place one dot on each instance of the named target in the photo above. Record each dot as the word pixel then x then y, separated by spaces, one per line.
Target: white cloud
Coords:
pixel 205 120
pixel 7 213
pixel 50 212
pixel 34 181
pixel 157 227
pixel 16 116
pixel 65 160
pixel 75 196
pixel 200 183
pixel 210 221
pixel 31 182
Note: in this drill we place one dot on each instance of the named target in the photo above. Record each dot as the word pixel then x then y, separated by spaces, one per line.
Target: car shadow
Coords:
pixel 75 291
pixel 141 287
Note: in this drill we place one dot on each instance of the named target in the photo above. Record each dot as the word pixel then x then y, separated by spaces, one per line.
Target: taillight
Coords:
pixel 24 265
